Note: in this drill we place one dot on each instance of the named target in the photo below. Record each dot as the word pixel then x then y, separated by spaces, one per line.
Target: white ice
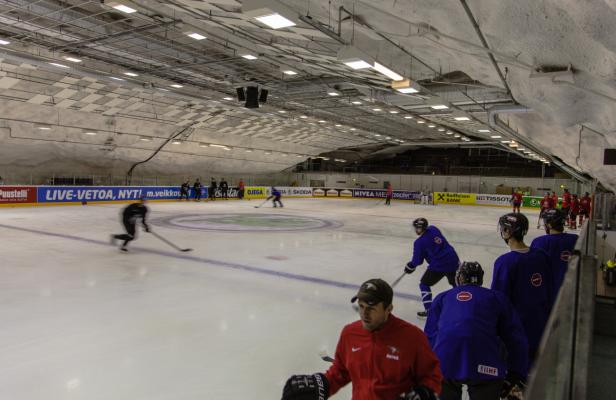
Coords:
pixel 80 320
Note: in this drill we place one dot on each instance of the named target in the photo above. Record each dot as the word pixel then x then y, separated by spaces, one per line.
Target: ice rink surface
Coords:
pixel 264 291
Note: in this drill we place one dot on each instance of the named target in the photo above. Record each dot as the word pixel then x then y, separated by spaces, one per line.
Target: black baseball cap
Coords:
pixel 375 291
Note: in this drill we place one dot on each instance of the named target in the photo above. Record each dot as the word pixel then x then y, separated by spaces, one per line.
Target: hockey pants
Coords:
pixel 431 278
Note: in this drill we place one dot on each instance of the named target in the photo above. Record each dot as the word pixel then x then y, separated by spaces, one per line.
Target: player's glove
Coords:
pixel 513 387
pixel 420 393
pixel 306 387
pixel 409 268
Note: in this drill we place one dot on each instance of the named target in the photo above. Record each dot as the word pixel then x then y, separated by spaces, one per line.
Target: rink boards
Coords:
pixel 73 195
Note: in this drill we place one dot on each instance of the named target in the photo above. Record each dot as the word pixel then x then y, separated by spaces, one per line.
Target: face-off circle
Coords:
pixel 234 222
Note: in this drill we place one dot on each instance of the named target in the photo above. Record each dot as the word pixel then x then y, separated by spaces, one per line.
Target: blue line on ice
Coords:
pixel 224 264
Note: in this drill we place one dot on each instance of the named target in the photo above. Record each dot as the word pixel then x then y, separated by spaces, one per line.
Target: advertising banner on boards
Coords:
pixel 17 194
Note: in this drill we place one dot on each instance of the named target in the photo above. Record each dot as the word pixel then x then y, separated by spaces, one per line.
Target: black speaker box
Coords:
pixel 240 94
pixel 252 97
pixel 263 96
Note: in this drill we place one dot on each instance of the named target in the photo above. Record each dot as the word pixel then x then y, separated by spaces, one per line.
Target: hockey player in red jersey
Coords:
pixel 585 203
pixel 574 211
pixel 566 205
pixel 554 200
pixel 384 357
pixel 516 201
pixel 545 204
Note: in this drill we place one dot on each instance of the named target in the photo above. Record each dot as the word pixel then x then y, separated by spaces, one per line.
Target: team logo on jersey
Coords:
pixel 464 296
pixel 438 240
pixel 393 353
pixel 565 255
pixel 536 279
pixel 487 370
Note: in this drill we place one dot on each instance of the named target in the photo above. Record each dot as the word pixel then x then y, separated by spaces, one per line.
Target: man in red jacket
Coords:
pixel 516 200
pixel 584 208
pixel 383 356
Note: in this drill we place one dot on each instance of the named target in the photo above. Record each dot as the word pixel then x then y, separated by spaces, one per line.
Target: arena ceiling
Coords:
pixel 88 85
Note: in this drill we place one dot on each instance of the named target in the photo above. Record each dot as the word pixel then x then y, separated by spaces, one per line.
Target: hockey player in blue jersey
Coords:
pixel 524 276
pixel 276 197
pixel 442 260
pixel 467 327
pixel 558 244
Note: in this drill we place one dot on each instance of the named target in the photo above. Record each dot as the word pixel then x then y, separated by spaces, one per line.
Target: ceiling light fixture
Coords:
pixel 406 86
pixel 289 72
pixel 72 59
pixel 496 136
pixel 282 111
pixel 431 126
pixel 59 65
pixel 484 130
pixel 120 7
pixel 462 118
pixel 421 121
pixel 176 142
pixel 249 57
pixel 175 85
pixel 131 74
pixel 441 129
pixel 4 42
pixel 408 117
pixel 387 72
pixel 118 79
pixel 457 135
pixel 220 146
pixel 353 129
pixel 333 93
pixel 322 121
pixel 356 102
pixel 195 35
pixel 145 139
pixel 449 133
pixel 89 132
pixel 228 98
pixel 376 109
pixel 43 127
pixel 439 107
pixel 394 112
pixel 358 64
pixel 275 21
pixel 303 116
pixel 354 58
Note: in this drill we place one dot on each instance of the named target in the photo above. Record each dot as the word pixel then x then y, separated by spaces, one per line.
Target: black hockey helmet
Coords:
pixel 420 223
pixel 515 223
pixel 469 272
pixel 555 218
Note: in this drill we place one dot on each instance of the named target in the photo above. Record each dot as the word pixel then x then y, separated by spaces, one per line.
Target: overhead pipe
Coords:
pixel 496 123
pixel 470 15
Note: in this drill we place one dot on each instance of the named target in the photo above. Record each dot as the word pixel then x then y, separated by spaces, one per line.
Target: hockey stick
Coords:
pixel 393 285
pixel 169 243
pixel 262 204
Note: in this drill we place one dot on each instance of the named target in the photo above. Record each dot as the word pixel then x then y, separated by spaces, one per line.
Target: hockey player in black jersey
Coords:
pixel 130 215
